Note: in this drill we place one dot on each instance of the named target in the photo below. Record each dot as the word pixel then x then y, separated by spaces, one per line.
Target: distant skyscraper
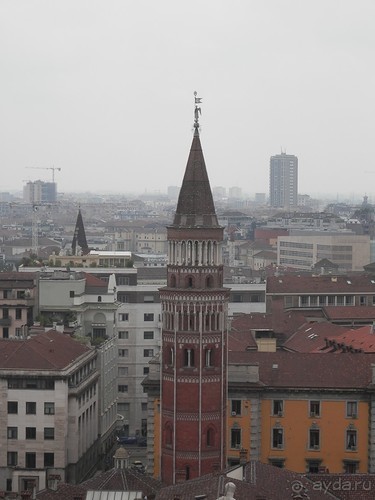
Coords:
pixel 284 181
pixel 40 192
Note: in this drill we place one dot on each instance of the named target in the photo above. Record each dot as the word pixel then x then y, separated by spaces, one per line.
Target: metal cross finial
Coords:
pixel 197 110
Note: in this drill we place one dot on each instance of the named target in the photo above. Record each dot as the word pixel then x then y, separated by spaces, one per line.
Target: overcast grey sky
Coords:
pixel 104 90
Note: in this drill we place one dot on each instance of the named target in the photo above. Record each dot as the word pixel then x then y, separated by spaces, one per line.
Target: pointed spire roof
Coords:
pixel 195 207
pixel 79 237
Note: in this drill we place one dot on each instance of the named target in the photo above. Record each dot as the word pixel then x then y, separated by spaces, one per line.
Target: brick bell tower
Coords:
pixel 194 331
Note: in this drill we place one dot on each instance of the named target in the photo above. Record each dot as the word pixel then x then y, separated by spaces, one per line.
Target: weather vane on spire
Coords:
pixel 197 110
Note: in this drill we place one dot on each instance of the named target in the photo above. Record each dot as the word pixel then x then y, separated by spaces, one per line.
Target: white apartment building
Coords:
pixel 48 411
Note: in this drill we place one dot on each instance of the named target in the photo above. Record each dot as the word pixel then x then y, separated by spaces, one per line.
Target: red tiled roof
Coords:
pixel 360 338
pixel 311 336
pixel 309 370
pixel 47 351
pixel 261 481
pixel 111 480
pixel 349 312
pixel 320 284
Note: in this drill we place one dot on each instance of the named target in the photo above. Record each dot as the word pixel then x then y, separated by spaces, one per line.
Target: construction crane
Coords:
pixel 48 168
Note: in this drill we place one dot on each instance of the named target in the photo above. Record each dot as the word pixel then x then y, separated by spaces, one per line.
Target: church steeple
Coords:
pixel 194 331
pixel 195 207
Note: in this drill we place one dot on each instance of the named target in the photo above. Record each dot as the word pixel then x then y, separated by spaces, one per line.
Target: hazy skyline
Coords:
pixel 104 91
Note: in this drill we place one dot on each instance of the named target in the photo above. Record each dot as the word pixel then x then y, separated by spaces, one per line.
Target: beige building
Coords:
pixel 48 411
pixel 303 250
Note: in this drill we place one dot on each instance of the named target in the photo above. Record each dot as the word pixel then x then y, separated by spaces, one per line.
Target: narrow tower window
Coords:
pixel 189 357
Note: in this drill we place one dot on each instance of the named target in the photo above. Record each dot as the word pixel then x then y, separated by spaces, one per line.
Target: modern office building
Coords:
pixel 284 181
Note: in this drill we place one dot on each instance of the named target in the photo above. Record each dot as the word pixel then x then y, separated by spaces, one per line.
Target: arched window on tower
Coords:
pixel 189 282
pixel 209 282
pixel 168 432
pixel 173 281
pixel 210 436
pixel 187 472
pixel 209 356
pixel 189 358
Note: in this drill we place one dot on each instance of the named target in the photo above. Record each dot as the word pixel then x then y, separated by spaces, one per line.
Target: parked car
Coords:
pixel 126 439
pixel 138 466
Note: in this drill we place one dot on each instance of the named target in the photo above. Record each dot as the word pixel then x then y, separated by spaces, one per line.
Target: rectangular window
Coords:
pixel 71 294
pixel 146 370
pixel 236 407
pixel 12 458
pixel 277 438
pixel 148 335
pixel 350 467
pixel 12 407
pixel 144 406
pixel 30 460
pixel 30 408
pixel 148 298
pixel 18 313
pixel 123 353
pixel 49 433
pixel 123 407
pixel 123 335
pixel 123 298
pixel 237 297
pixel 277 407
pixel 123 371
pixel 148 317
pixel 351 439
pixel 314 408
pixel 123 280
pixel 31 383
pixel 123 316
pixel 30 433
pixel 122 388
pixel 5 332
pixel 349 300
pixel 49 460
pixel 49 408
pixel 313 466
pixel 99 333
pixel 148 353
pixel 352 409
pixel 314 439
pixel 235 438
pixel 12 432
pixel 277 463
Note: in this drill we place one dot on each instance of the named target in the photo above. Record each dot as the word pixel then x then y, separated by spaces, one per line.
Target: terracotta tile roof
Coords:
pixel 311 336
pixel 309 370
pixel 361 338
pixel 111 480
pixel 350 312
pixel 47 351
pixel 303 284
pixel 261 481
pixel 63 492
pixel 95 284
